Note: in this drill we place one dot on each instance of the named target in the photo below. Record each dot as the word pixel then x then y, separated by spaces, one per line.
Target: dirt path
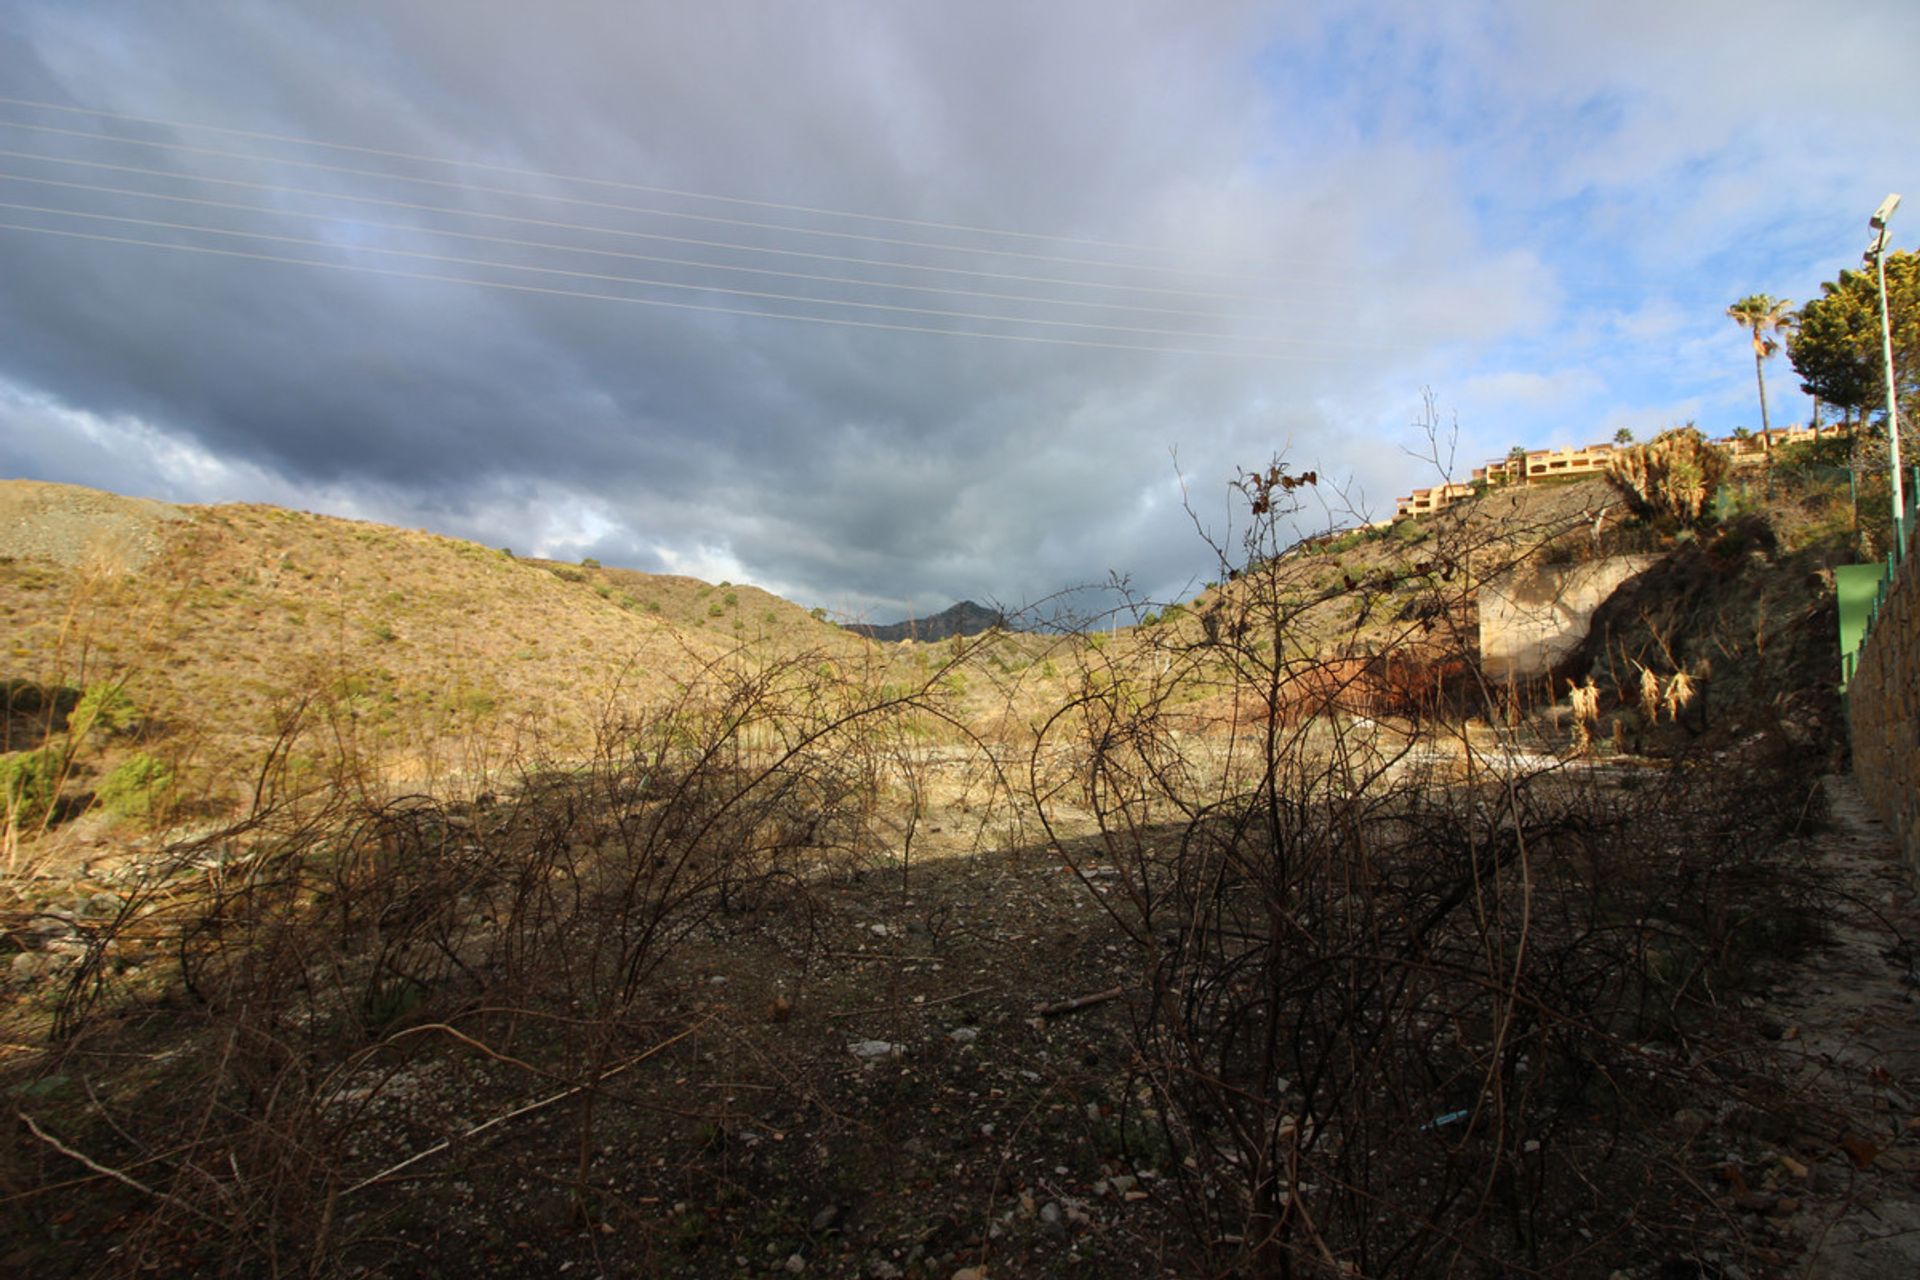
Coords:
pixel 1848 1022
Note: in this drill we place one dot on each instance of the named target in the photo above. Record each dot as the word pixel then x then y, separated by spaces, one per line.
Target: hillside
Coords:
pixel 230 616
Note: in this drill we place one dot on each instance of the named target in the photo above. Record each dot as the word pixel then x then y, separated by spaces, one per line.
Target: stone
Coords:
pixel 1691 1121
pixel 873 1050
pixel 794 1265
pixel 27 967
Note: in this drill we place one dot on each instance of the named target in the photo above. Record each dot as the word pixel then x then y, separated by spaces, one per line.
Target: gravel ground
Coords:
pixel 71 525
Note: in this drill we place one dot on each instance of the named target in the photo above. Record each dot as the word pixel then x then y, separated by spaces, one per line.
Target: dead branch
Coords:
pixel 1078 1003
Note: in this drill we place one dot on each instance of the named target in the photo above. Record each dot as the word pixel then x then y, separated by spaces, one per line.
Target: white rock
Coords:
pixel 871 1050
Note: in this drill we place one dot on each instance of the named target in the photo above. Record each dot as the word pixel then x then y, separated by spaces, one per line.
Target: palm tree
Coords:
pixel 1764 316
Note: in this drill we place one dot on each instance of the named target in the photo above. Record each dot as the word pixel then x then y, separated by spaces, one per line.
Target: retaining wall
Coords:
pixel 1883 713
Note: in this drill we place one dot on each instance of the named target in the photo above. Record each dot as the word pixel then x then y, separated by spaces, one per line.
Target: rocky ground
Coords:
pixel 891 1077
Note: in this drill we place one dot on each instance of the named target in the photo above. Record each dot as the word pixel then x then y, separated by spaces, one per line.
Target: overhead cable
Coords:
pixel 842 321
pixel 585 202
pixel 645 282
pixel 137 193
pixel 610 183
pixel 662 237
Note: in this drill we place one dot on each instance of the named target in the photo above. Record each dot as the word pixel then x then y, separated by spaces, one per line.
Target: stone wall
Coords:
pixel 1883 713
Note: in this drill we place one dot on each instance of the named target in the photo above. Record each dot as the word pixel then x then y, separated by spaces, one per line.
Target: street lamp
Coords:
pixel 1879 223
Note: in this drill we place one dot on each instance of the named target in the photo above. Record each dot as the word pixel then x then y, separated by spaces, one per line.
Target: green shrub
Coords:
pixel 104 706
pixel 715 611
pixel 1731 501
pixel 27 783
pixel 732 600
pixel 1829 453
pixel 589 563
pixel 1346 542
pixel 135 786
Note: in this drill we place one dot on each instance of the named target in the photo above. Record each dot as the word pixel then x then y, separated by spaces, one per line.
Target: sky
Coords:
pixel 881 305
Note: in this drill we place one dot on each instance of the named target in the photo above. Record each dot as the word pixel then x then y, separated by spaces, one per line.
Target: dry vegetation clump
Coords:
pixel 1673 475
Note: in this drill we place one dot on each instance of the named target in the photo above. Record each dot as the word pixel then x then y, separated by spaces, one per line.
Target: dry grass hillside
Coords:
pixel 425 657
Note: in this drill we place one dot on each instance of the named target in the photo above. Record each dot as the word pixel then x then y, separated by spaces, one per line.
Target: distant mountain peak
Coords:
pixel 963 619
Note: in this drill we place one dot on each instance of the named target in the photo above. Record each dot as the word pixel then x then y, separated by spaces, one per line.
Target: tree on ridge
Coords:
pixel 1766 318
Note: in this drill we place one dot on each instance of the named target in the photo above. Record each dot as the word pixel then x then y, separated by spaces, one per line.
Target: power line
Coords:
pixel 842 321
pixel 583 201
pixel 811 255
pixel 767 295
pixel 100 189
pixel 598 182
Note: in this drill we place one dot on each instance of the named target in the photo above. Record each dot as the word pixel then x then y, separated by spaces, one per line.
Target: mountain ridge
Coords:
pixel 963 619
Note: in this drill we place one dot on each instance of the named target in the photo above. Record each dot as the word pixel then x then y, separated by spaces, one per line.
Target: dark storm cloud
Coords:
pixel 860 468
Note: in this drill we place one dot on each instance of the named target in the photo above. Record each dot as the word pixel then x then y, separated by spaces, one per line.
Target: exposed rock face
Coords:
pixel 963 619
pixel 1532 617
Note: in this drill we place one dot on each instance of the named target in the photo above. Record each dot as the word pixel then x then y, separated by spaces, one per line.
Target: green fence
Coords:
pixel 1862 588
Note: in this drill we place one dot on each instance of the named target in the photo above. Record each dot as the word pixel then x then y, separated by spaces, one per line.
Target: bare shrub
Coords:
pixel 338 951
pixel 1397 973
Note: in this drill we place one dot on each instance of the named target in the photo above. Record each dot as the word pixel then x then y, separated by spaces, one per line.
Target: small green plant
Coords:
pixel 136 786
pixel 28 780
pixel 732 600
pixel 589 563
pixel 383 632
pixel 602 590
pixel 716 611
pixel 105 707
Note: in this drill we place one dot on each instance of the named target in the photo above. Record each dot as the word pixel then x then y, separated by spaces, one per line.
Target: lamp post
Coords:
pixel 1879 223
